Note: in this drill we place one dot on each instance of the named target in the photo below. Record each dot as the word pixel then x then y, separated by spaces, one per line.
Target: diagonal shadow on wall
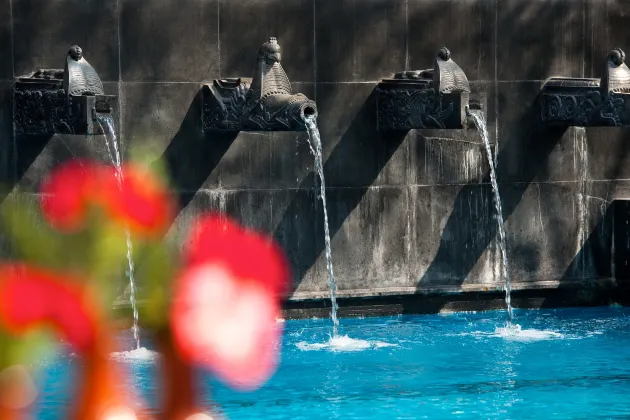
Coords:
pixel 192 155
pixel 594 260
pixel 372 161
pixel 452 264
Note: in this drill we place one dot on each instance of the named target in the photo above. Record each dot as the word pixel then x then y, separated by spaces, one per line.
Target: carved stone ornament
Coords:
pixel 433 98
pixel 262 103
pixel 590 102
pixel 61 101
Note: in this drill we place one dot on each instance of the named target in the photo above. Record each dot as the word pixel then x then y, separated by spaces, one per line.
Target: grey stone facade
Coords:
pixel 409 215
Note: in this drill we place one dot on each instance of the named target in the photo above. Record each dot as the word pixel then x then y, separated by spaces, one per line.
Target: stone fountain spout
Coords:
pixel 433 98
pixel 568 101
pixel 62 101
pixel 265 102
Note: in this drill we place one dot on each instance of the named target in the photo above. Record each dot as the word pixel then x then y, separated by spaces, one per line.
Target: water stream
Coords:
pixel 480 122
pixel 107 123
pixel 316 148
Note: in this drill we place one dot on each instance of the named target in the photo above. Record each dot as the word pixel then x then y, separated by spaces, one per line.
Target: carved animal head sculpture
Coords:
pixel 270 52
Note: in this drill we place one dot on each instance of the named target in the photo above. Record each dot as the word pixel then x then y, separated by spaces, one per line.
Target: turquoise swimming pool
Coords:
pixel 565 363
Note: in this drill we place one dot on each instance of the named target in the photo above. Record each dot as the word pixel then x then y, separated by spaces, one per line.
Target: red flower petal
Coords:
pixel 30 296
pixel 226 324
pixel 64 194
pixel 140 202
pixel 143 203
pixel 246 253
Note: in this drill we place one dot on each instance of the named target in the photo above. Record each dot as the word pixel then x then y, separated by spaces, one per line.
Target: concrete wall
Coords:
pixel 407 215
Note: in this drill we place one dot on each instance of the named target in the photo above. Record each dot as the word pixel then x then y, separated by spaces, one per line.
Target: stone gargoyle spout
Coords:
pixel 432 98
pixel 265 102
pixel 568 101
pixel 62 101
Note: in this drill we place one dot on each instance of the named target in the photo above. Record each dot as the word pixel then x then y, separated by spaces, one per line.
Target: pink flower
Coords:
pixel 226 302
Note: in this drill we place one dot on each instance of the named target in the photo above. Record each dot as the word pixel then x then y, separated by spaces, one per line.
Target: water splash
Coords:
pixel 343 343
pixel 516 333
pixel 107 124
pixel 139 354
pixel 315 143
pixel 480 122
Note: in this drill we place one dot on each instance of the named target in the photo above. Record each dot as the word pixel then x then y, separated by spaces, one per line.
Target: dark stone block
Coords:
pixel 246 24
pixel 7 144
pixel 359 41
pixel 439 161
pixel 528 149
pixel 355 154
pixel 252 209
pixel 546 231
pixel 38 155
pixel 245 164
pixel 43 32
pixel 370 249
pixel 153 114
pixel 197 203
pixel 463 26
pixel 621 242
pixel 608 153
pixel 546 38
pixel 173 134
pixel 293 218
pixel 452 236
pixel 6 47
pixel 575 295
pixel 169 40
pixel 597 253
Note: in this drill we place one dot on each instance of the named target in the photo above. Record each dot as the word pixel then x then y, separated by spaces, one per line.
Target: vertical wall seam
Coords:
pixel 496 257
pixel 121 113
pixel 11 34
pixel 315 50
pixel 496 80
pixel 584 39
pixel 219 36
pixel 14 156
pixel 407 35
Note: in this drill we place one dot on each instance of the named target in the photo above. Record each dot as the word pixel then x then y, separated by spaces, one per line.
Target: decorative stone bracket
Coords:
pixel 62 101
pixel 262 103
pixel 590 102
pixel 433 98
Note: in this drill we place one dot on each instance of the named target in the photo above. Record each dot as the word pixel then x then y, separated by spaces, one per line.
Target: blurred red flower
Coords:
pixel 140 202
pixel 65 192
pixel 248 254
pixel 143 203
pixel 227 300
pixel 30 297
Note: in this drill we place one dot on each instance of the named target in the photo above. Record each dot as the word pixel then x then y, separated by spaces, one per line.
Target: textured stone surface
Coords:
pixel 6 47
pixel 540 39
pixel 43 32
pixel 410 213
pixel 169 40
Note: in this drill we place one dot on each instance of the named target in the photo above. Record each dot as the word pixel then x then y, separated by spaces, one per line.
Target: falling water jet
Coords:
pixel 480 123
pixel 107 124
pixel 316 148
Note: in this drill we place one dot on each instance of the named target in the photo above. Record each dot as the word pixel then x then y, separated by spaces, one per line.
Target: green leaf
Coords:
pixel 156 267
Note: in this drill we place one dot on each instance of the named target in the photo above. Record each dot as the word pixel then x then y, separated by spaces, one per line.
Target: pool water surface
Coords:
pixel 565 363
